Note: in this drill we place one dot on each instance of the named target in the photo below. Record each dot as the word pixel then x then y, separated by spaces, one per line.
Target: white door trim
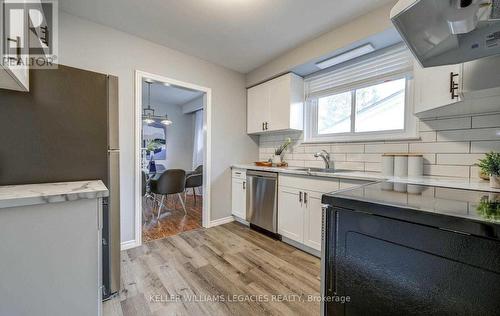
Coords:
pixel 207 142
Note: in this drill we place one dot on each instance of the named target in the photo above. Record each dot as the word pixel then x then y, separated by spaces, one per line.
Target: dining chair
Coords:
pixel 172 181
pixel 194 179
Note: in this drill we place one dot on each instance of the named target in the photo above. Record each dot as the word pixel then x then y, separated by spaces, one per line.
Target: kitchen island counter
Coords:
pixel 43 193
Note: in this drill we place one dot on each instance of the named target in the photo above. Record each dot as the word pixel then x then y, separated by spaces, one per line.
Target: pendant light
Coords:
pixel 166 121
pixel 148 114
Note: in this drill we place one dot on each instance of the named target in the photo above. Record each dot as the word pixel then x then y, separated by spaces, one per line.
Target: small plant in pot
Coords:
pixel 278 152
pixel 491 165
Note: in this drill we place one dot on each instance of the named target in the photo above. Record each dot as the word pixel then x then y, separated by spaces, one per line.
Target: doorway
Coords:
pixel 172 157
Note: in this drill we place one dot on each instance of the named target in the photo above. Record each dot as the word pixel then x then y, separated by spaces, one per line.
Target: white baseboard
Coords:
pixel 129 244
pixel 221 221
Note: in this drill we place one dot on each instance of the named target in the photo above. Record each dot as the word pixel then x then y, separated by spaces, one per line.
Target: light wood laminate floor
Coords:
pixel 173 220
pixel 224 270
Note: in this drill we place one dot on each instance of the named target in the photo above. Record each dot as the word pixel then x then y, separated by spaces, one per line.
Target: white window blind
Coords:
pixel 388 62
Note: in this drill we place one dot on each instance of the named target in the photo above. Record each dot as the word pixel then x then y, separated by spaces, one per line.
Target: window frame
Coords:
pixel 410 125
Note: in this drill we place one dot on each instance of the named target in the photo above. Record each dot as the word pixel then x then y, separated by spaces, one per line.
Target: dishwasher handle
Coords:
pixel 262 174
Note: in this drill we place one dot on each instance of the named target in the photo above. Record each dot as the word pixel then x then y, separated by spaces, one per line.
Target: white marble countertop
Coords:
pixel 43 193
pixel 446 182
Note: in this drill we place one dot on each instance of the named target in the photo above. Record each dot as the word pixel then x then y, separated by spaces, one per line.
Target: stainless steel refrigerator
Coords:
pixel 66 129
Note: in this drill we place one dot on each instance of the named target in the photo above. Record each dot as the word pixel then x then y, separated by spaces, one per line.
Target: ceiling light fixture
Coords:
pixel 351 54
pixel 166 121
pixel 148 114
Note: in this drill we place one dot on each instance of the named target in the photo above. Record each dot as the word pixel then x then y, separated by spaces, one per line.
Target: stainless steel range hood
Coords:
pixel 445 32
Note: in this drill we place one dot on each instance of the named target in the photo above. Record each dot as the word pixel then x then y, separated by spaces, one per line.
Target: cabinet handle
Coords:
pixel 263 126
pixel 18 48
pixel 266 126
pixel 305 197
pixel 244 185
pixel 453 86
pixel 300 196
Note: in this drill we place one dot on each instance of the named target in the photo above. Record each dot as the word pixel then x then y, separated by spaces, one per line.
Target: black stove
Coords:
pixel 427 250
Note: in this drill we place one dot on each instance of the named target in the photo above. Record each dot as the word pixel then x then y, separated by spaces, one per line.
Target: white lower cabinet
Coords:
pixel 312 220
pixel 239 194
pixel 300 208
pixel 290 209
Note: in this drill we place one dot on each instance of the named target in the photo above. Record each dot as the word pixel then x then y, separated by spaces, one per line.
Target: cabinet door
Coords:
pixel 312 220
pixel 257 108
pixel 432 86
pixel 291 214
pixel 15 77
pixel 239 198
pixel 279 104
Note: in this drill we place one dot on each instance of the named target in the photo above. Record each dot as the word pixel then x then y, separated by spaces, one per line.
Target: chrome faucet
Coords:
pixel 325 156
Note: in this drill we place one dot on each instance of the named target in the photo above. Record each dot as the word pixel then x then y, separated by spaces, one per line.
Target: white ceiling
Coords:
pixel 170 95
pixel 239 34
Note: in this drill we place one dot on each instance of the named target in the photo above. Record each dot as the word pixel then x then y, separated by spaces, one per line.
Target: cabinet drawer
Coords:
pixel 239 174
pixel 322 185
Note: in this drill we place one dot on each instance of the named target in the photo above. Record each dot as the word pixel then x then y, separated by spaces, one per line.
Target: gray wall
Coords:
pixel 87 45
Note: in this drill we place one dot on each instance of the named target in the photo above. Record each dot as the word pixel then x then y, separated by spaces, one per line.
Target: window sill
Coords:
pixel 364 139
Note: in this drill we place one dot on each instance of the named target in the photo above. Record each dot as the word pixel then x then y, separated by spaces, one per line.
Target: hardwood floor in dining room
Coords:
pixel 224 270
pixel 173 220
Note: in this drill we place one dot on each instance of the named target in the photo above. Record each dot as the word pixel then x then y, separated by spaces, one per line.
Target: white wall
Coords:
pixel 91 46
pixel 360 28
pixel 180 137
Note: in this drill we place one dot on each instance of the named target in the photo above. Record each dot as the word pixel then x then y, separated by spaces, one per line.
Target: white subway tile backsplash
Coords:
pixel 348 148
pixel 317 148
pixel 428 136
pixel 446 124
pixel 484 147
pixel 386 148
pixel 450 147
pixel 458 159
pixel 429 159
pixel 314 163
pixel 482 121
pixel 446 171
pixel 373 166
pixel 358 166
pixel 364 157
pixel 469 134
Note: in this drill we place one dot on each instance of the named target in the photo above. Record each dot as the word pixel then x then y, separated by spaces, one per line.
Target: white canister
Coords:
pixel 415 165
pixel 400 170
pixel 387 165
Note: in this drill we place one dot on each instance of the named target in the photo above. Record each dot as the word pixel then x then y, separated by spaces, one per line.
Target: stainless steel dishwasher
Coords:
pixel 262 201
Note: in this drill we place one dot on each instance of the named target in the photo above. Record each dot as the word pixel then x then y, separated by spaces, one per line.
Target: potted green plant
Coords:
pixel 277 159
pixel 491 165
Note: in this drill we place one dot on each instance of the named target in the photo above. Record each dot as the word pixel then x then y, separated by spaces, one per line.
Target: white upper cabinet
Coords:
pixel 461 89
pixel 276 105
pixel 257 111
pixel 433 86
pixel 13 76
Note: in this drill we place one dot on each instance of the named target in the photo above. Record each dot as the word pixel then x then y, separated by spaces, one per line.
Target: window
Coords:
pixel 365 100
